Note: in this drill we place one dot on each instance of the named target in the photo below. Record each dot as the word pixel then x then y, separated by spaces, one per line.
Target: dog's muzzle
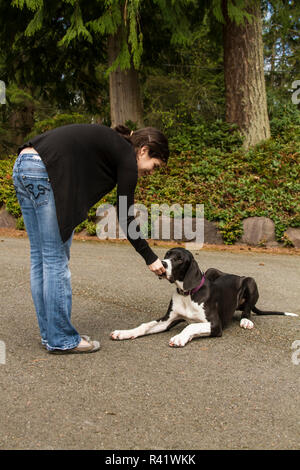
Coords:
pixel 168 267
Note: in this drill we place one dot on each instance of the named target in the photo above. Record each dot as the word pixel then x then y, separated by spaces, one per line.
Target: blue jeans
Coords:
pixel 49 275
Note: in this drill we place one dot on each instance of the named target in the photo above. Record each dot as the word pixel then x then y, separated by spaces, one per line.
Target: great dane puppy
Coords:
pixel 208 301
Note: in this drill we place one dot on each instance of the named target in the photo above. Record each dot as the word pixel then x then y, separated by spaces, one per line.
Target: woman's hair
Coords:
pixel 155 140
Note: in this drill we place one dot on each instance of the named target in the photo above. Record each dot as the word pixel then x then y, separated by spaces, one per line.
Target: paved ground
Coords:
pixel 240 391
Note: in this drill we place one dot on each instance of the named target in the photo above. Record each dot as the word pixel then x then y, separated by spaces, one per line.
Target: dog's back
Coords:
pixel 232 292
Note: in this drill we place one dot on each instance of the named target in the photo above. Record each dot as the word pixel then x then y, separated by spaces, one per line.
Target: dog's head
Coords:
pixel 181 266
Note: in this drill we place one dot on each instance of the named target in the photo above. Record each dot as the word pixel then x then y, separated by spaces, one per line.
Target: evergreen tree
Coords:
pixel 120 31
pixel 53 69
pixel 246 101
pixel 281 47
pixel 245 94
pixel 119 22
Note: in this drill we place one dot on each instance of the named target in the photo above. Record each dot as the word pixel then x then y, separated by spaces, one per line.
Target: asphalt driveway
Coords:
pixel 240 391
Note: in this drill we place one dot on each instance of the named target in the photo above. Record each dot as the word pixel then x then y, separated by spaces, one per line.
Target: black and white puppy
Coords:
pixel 208 301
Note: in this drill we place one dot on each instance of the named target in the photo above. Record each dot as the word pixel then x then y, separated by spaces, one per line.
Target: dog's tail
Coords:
pixel 264 312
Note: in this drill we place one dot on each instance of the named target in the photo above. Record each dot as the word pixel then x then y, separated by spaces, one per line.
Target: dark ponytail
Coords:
pixel 123 131
pixel 151 137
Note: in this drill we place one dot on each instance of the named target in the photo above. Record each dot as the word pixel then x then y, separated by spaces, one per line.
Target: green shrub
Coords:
pixel 7 190
pixel 233 184
pixel 208 166
pixel 56 121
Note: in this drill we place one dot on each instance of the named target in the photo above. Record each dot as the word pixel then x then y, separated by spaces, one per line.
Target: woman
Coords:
pixel 58 176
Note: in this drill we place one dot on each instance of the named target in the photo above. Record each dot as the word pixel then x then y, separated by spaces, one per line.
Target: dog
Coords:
pixel 208 301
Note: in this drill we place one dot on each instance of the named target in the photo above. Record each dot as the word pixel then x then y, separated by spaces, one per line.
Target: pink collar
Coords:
pixel 193 291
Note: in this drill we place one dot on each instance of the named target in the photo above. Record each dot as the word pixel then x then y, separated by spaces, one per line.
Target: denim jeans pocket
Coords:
pixel 38 189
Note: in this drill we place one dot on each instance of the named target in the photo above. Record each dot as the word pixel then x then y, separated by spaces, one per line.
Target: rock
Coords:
pixel 167 228
pixel 164 228
pixel 174 229
pixel 177 229
pixel 211 234
pixel 293 234
pixel 259 231
pixel 6 219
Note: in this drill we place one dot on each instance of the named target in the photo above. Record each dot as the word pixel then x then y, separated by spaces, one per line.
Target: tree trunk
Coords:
pixel 124 89
pixel 246 101
pixel 21 122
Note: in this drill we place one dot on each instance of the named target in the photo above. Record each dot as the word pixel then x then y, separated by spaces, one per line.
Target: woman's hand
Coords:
pixel 157 267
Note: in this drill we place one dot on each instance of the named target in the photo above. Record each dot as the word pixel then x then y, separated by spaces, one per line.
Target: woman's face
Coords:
pixel 146 164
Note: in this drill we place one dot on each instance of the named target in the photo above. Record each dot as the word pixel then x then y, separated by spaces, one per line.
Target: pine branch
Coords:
pixel 32 5
pixel 236 10
pixel 77 27
pixel 36 23
pixel 107 23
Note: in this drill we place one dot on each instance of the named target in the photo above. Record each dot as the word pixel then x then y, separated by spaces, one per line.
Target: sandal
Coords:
pixel 91 347
pixel 86 337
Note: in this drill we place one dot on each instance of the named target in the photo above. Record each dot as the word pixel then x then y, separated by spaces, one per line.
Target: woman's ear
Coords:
pixel 139 153
pixel 193 276
pixel 143 150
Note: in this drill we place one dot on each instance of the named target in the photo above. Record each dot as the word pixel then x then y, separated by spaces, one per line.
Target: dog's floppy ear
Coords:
pixel 193 276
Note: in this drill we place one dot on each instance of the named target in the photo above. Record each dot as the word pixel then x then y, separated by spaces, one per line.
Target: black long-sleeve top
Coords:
pixel 84 163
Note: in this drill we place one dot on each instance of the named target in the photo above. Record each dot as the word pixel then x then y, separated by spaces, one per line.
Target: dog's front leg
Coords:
pixel 193 330
pixel 157 326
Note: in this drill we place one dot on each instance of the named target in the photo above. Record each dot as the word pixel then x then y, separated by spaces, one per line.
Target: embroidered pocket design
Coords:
pixel 37 190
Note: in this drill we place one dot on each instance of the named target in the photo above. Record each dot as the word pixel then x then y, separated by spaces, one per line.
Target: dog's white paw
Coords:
pixel 247 324
pixel 122 334
pixel 178 341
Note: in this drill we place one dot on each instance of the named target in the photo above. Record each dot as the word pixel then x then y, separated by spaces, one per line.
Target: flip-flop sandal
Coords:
pixel 93 346
pixel 86 337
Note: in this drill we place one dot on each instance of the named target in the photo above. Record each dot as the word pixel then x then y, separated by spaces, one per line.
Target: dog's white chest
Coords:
pixel 185 307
